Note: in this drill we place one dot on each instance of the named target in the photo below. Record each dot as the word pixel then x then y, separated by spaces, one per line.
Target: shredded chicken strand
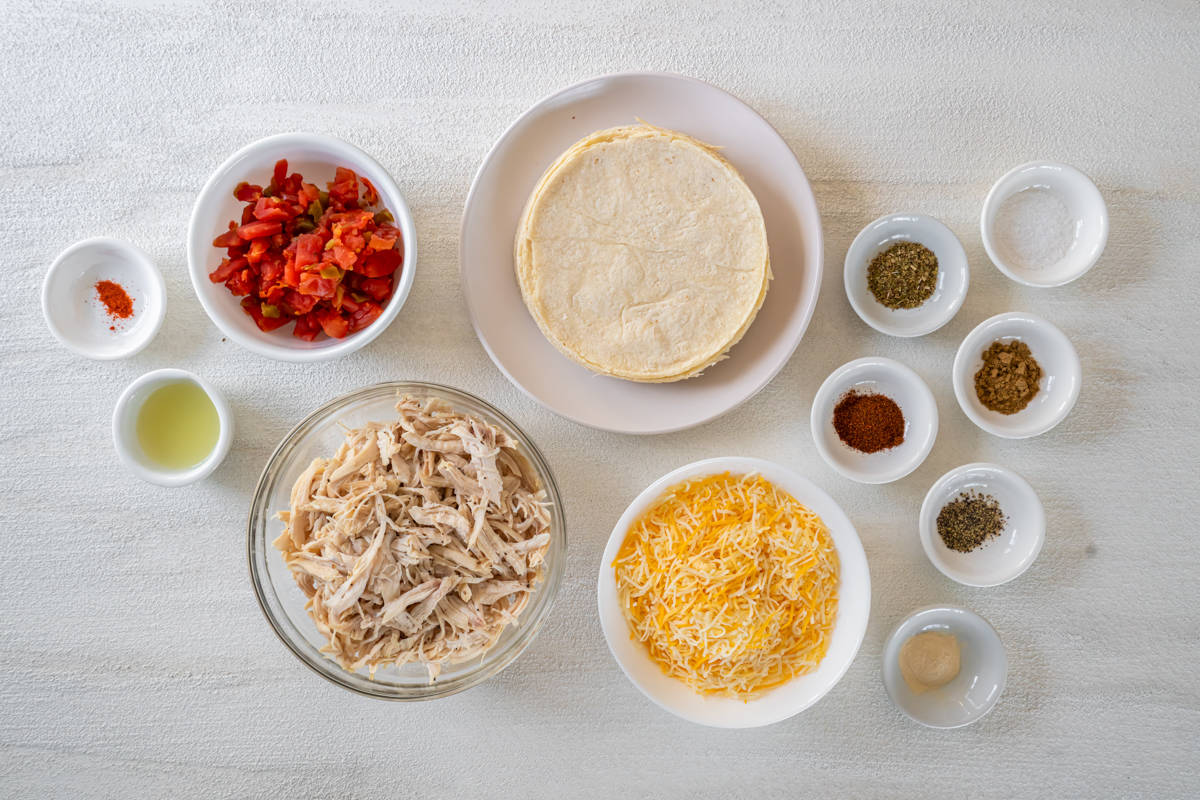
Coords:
pixel 419 541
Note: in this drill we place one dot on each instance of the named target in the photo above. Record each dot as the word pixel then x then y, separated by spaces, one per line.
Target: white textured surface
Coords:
pixel 136 661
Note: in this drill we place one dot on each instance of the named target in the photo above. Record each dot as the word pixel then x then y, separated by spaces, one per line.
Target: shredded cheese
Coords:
pixel 731 585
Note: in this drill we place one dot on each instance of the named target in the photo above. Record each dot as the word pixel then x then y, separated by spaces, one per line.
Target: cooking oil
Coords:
pixel 177 426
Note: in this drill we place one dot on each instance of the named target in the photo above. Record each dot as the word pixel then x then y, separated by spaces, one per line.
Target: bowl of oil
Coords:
pixel 171 427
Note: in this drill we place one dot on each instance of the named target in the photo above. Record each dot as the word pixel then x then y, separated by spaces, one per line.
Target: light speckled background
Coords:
pixel 135 660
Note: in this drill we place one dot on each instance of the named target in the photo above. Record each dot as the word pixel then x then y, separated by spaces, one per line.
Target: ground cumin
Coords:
pixel 1009 377
pixel 868 422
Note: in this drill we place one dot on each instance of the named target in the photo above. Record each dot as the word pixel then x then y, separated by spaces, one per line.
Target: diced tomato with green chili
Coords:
pixel 253 307
pixel 274 296
pixel 258 248
pixel 343 256
pixel 371 195
pixel 257 230
pixel 379 264
pixel 367 313
pixel 378 289
pixel 228 239
pixel 296 304
pixel 228 267
pixel 242 282
pixel 334 324
pixel 272 209
pixel 309 247
pixel 307 327
pixel 344 189
pixel 312 283
pixel 325 261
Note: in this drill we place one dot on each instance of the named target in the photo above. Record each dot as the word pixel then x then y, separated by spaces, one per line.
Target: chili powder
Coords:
pixel 117 302
pixel 868 422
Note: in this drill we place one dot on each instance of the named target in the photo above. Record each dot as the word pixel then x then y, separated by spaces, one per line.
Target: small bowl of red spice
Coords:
pixel 104 299
pixel 874 420
pixel 301 247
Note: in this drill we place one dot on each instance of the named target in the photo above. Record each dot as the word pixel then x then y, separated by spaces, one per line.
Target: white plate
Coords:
pixel 512 169
pixel 998 560
pixel 952 280
pixel 876 375
pixel 854 607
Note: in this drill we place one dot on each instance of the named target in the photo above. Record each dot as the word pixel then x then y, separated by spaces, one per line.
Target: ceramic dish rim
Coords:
pixel 959 372
pixel 1082 181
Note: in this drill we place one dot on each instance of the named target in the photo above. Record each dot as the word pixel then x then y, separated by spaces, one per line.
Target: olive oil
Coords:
pixel 177 426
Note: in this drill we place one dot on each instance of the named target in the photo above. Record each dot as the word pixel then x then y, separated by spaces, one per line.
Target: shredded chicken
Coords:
pixel 419 541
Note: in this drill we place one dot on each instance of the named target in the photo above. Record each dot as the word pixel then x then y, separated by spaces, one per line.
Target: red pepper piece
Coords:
pixel 258 230
pixel 227 268
pixel 254 309
pixel 380 263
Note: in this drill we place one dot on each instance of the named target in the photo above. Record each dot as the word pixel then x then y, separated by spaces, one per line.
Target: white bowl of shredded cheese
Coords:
pixel 783 701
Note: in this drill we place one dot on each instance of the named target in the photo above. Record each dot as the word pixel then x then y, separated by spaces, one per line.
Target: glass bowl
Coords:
pixel 284 604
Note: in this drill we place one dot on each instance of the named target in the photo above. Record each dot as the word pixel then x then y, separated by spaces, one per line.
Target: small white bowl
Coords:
pixel 73 309
pixel 1058 390
pixel 1084 204
pixel 876 375
pixel 315 157
pixel 981 678
pixel 125 429
pixel 953 275
pixel 1002 558
pixel 854 606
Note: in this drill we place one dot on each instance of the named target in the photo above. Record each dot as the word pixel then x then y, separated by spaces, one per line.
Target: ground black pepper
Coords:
pixel 970 520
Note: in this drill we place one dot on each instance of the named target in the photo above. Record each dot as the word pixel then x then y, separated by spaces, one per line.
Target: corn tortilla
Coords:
pixel 642 254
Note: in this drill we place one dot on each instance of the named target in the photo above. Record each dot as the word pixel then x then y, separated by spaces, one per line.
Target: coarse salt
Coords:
pixel 1034 229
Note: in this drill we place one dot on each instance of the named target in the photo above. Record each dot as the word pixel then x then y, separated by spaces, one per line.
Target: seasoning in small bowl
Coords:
pixel 903 276
pixel 1044 224
pixel 868 422
pixel 1016 375
pixel 171 427
pixel 874 420
pixel 944 667
pixel 930 660
pixel 969 521
pixel 1008 378
pixel 104 299
pixel 906 275
pixel 981 525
